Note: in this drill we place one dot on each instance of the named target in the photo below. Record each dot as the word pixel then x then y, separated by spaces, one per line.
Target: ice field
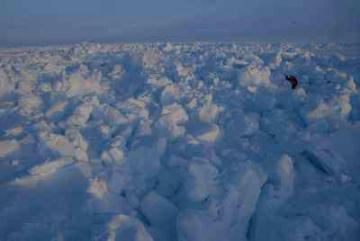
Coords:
pixel 180 142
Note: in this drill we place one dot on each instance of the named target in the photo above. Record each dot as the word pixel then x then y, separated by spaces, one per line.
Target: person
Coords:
pixel 293 80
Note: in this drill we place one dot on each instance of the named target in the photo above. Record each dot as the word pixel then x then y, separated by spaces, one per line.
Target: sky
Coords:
pixel 42 22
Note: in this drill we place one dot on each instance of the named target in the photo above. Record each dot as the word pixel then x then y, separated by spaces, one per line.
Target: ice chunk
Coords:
pixel 113 116
pixel 81 114
pixel 98 188
pixel 151 59
pixel 83 83
pixel 42 172
pixel 29 104
pixel 276 123
pixel 79 143
pixel 158 210
pixel 56 108
pixel 158 81
pixel 126 228
pixel 171 119
pixel 58 143
pixel 15 131
pixel 6 86
pixel 286 176
pixel 244 195
pixel 235 212
pixel 113 155
pixel 253 76
pixel 307 227
pixel 261 102
pixel 335 153
pixel 117 72
pixel 170 95
pixel 168 47
pixel 209 112
pixel 7 147
pixel 144 162
pixel 242 124
pixel 350 226
pixel 184 71
pixel 276 60
pixel 324 110
pixel 49 167
pixel 134 108
pixel 144 128
pixel 202 181
pixel 205 132
pixel 211 135
pixel 195 226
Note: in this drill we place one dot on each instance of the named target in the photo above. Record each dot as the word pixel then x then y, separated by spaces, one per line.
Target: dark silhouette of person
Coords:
pixel 293 80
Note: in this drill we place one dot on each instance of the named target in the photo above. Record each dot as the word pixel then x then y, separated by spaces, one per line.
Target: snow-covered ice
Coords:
pixel 180 142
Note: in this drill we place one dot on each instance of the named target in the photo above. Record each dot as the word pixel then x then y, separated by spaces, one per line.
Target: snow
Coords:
pixel 98 188
pixel 206 132
pixel 170 95
pixel 7 147
pixel 180 142
pixel 80 115
pixel 209 112
pixel 41 172
pixel 171 120
pixel 128 229
pixel 82 83
pixel 202 181
pixel 57 143
pixel 161 214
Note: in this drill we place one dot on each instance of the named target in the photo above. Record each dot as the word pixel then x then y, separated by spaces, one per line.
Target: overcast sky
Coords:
pixel 41 22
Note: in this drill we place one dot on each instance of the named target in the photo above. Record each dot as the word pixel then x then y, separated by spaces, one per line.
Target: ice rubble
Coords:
pixel 7 147
pixel 183 142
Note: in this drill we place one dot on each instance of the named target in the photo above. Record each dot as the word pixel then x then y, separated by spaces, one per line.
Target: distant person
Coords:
pixel 293 80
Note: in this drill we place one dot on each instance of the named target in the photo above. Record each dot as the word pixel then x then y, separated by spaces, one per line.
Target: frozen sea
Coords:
pixel 180 142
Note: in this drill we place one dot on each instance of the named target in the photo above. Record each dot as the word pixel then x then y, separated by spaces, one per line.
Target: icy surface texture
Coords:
pixel 180 142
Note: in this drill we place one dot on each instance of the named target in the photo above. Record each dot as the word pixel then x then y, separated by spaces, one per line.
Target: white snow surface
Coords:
pixel 180 142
